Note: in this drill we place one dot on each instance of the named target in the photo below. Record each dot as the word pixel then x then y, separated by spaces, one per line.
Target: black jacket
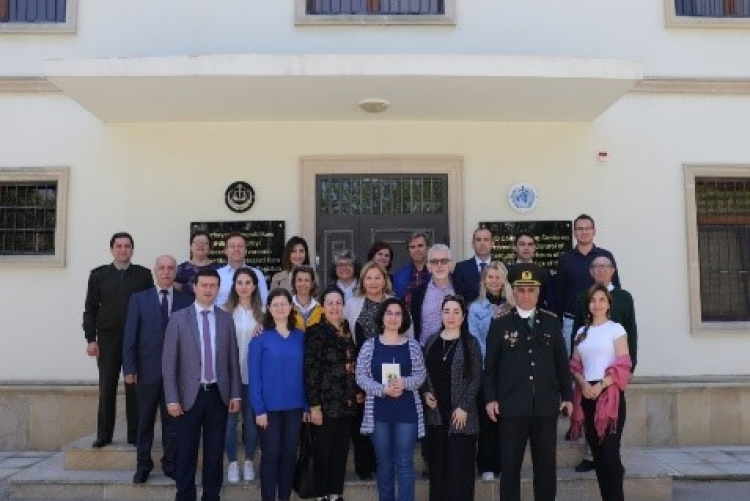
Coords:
pixel 526 370
pixel 107 298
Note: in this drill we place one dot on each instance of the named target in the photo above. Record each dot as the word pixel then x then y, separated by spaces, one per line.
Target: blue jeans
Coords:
pixel 394 448
pixel 249 431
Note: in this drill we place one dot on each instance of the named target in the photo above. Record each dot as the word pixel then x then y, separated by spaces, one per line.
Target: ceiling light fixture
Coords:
pixel 374 105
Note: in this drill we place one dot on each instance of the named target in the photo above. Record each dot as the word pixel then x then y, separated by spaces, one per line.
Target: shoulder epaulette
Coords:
pixel 504 313
pixel 548 312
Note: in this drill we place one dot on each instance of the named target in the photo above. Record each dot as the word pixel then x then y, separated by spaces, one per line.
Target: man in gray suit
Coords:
pixel 201 372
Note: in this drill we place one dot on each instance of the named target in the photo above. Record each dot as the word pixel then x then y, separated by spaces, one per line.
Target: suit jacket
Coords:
pixel 144 333
pixel 182 364
pixel 526 369
pixel 466 279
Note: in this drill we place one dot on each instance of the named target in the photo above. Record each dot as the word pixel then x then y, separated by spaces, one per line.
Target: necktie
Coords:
pixel 208 359
pixel 165 305
pixel 481 267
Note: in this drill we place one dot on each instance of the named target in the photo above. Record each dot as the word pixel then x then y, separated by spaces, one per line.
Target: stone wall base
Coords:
pixel 660 412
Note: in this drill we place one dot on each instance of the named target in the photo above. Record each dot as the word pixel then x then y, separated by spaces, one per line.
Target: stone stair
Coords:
pixel 83 473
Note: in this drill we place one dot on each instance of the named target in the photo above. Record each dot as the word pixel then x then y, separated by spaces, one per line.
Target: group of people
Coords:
pixel 467 358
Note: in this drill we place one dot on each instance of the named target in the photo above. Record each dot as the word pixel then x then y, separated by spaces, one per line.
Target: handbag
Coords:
pixel 304 474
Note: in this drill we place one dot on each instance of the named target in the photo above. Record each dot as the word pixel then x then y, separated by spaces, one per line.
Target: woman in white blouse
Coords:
pixel 245 306
pixel 601 368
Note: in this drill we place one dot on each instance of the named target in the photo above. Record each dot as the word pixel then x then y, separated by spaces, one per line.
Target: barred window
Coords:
pixel 359 12
pixel 723 217
pixel 27 218
pixel 342 195
pixel 703 13
pixel 713 8
pixel 32 216
pixel 38 16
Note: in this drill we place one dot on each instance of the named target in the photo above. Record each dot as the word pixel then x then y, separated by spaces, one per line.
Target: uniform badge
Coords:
pixel 511 337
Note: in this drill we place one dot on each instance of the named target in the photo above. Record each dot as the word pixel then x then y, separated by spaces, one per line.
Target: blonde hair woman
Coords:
pixel 495 297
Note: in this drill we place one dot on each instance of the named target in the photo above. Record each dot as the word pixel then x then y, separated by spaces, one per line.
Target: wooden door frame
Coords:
pixel 450 165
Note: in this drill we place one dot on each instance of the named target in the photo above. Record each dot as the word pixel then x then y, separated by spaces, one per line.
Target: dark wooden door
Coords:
pixel 353 211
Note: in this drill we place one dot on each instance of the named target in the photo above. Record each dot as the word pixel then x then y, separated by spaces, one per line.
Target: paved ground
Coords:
pixel 720 473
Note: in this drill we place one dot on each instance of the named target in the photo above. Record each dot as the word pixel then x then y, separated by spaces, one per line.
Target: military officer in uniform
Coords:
pixel 526 385
pixel 109 290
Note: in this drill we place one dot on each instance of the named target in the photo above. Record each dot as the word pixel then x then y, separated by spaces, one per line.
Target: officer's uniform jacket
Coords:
pixel 526 369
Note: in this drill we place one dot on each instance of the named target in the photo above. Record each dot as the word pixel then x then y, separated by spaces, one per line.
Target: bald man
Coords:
pixel 145 323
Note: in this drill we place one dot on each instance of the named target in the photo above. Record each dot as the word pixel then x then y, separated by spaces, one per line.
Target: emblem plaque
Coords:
pixel 239 197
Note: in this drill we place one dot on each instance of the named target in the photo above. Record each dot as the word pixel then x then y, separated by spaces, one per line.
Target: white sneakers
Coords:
pixel 249 472
pixel 488 476
pixel 233 473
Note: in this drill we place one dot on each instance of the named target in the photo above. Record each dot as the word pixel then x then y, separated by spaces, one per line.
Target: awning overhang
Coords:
pixel 256 87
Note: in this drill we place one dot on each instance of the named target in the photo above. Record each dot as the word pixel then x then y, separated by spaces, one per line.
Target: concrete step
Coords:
pixel 646 480
pixel 119 455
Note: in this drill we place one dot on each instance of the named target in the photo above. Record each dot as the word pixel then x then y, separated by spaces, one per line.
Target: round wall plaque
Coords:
pixel 239 197
pixel 522 197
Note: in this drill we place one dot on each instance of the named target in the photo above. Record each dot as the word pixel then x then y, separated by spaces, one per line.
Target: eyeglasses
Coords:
pixel 344 265
pixel 441 262
pixel 236 246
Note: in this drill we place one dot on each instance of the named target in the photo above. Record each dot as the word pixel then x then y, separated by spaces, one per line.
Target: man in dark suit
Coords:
pixel 526 384
pixel 524 247
pixel 467 274
pixel 109 289
pixel 146 321
pixel 201 371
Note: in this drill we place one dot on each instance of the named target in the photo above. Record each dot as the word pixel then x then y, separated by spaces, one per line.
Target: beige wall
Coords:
pixel 681 411
pixel 153 180
pixel 590 28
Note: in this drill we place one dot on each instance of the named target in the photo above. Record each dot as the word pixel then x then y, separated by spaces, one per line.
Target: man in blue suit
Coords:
pixel 145 323
pixel 467 274
pixel 201 369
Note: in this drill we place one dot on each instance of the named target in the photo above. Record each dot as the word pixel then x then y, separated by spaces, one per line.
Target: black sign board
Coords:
pixel 265 242
pixel 553 238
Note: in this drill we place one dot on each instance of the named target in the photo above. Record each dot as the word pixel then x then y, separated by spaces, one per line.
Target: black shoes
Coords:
pixel 584 466
pixel 140 477
pixel 100 442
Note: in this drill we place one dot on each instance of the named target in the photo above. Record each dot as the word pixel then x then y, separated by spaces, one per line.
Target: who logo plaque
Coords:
pixel 239 197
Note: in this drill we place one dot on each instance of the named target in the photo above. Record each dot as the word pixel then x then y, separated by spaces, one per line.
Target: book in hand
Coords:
pixel 390 372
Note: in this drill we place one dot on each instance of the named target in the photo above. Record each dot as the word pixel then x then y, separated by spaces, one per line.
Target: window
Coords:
pixel 718 202
pixel 708 13
pixel 38 16
pixel 32 216
pixel 374 11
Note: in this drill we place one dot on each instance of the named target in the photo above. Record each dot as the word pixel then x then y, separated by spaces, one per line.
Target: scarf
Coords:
pixel 608 403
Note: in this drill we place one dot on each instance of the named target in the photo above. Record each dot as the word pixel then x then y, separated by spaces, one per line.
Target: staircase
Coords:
pixel 80 472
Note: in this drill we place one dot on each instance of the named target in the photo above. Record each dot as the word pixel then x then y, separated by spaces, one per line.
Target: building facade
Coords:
pixel 141 113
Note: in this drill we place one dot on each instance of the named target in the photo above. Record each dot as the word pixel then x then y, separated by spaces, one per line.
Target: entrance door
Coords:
pixel 355 210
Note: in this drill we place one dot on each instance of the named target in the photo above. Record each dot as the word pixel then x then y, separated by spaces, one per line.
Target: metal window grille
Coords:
pixel 375 7
pixel 713 8
pixel 32 11
pixel 723 216
pixel 28 216
pixel 382 195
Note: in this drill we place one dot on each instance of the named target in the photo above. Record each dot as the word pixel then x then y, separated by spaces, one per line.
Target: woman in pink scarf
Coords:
pixel 601 368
